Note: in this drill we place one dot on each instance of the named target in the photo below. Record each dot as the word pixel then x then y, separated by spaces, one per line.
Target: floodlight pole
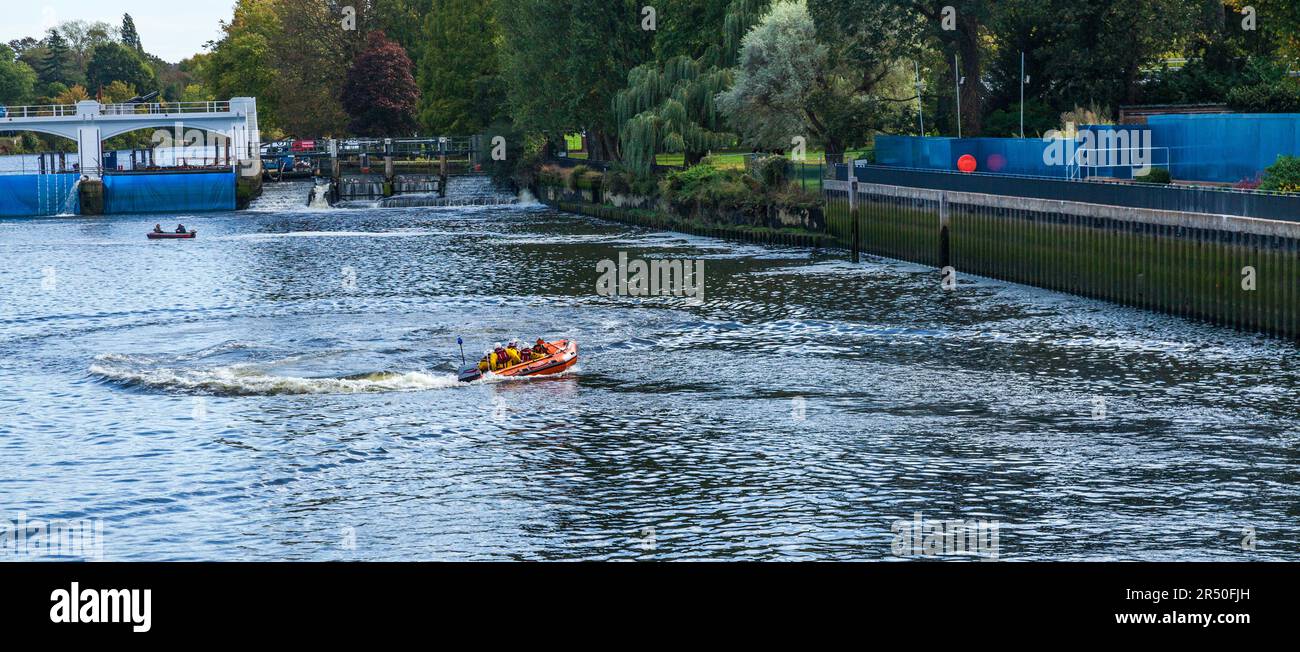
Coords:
pixel 956 75
pixel 1022 94
pixel 920 109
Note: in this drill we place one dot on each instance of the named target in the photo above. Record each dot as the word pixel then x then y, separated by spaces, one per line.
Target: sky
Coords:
pixel 171 29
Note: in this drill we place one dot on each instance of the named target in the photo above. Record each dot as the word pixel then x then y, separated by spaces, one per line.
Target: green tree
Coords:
pixel 21 45
pixel 780 60
pixel 1279 19
pixel 117 91
pixel 242 64
pixel 403 21
pixel 688 28
pixel 130 37
pixel 83 36
pixel 606 41
pixel 310 59
pixel 58 64
pixel 111 62
pixel 565 61
pixel 1100 55
pixel 460 76
pixel 17 79
pixel 834 92
pixel 537 85
pixel 670 106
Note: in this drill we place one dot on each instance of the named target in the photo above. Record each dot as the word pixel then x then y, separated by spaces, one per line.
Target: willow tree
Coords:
pixel 671 106
pixel 776 76
pixel 671 109
pixel 790 82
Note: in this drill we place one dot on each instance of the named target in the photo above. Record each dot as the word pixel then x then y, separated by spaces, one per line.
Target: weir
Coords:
pixel 1233 271
pixel 363 169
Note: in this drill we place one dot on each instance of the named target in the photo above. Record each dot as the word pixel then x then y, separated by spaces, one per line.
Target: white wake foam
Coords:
pixel 249 380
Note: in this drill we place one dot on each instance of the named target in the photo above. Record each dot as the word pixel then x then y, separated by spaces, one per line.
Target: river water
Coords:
pixel 283 387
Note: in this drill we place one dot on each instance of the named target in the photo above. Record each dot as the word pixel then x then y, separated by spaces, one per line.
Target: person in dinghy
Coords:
pixel 516 359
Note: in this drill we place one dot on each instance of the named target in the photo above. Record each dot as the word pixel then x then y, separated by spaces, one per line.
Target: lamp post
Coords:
pixel 956 74
pixel 920 109
pixel 1023 80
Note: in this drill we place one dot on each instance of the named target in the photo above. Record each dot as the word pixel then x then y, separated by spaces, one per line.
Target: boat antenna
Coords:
pixel 461 344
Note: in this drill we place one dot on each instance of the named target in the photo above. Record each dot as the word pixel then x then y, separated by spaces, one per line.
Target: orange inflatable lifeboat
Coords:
pixel 561 355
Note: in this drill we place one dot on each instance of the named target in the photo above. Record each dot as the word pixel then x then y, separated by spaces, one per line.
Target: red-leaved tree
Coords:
pixel 380 94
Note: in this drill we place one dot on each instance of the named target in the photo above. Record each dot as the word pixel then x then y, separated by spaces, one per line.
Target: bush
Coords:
pixel 551 175
pixel 772 171
pixel 1092 115
pixel 1283 97
pixel 576 177
pixel 522 163
pixel 618 182
pixel 1156 175
pixel 795 198
pixel 646 185
pixel 1283 175
pixel 704 186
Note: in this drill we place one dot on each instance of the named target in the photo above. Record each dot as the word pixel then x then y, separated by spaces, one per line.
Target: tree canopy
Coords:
pixel 110 62
pixel 17 79
pixel 460 75
pixel 130 37
pixel 696 75
pixel 380 94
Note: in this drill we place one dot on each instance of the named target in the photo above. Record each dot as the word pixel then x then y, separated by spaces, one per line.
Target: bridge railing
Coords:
pixel 43 111
pixel 154 108
pixel 164 107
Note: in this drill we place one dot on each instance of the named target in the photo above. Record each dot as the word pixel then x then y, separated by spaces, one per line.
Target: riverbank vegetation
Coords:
pixel 641 85
pixel 693 76
pixel 763 194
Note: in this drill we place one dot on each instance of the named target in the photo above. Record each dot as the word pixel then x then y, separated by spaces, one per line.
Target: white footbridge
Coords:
pixel 89 123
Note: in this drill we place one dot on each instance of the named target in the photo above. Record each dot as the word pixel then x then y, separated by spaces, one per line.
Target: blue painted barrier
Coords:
pixel 28 195
pixel 164 192
pixel 1225 147
pixel 1221 148
pixel 1020 156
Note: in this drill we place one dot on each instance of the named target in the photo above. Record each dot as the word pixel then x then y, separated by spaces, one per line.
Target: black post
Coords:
pixel 944 257
pixel 853 213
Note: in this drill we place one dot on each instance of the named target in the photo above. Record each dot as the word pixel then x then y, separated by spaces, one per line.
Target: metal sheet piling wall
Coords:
pixel 1238 272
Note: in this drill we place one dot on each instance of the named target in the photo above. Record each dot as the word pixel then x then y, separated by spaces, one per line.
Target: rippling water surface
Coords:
pixel 289 375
